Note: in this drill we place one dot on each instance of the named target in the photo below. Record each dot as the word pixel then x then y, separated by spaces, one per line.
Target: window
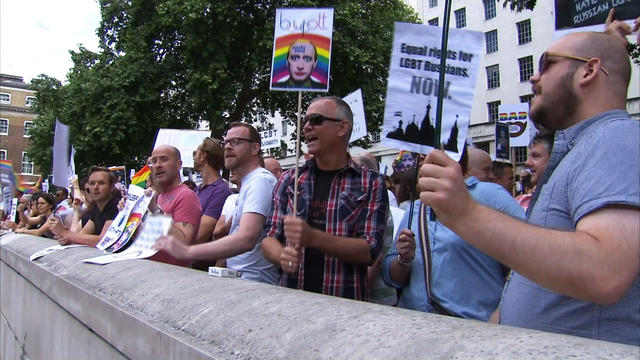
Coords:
pixel 5 98
pixel 375 137
pixel 491 41
pixel 521 154
pixel 3 154
pixel 461 18
pixel 484 146
pixel 493 76
pixel 4 127
pixel 27 125
pixel 524 31
pixel 489 9
pixel 526 98
pixel 284 127
pixel 492 108
pixel 433 22
pixel 526 68
pixel 27 164
pixel 432 4
pixel 31 100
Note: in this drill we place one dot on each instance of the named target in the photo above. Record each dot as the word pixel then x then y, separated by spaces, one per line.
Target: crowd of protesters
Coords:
pixel 556 251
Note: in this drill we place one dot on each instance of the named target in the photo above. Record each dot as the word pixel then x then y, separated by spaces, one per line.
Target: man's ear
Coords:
pixel 343 128
pixel 255 149
pixel 590 71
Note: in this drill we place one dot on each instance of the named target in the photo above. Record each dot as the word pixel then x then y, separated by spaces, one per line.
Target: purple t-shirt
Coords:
pixel 212 197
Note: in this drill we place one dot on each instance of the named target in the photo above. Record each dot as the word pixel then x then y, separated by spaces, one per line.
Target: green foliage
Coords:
pixel 519 5
pixel 173 63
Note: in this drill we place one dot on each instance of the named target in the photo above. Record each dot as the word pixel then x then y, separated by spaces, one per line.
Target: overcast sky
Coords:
pixel 36 35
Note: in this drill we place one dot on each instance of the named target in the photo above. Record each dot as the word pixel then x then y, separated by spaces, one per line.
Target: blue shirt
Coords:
pixel 466 281
pixel 595 163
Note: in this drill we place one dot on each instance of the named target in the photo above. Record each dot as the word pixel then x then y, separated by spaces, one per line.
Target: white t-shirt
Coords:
pixel 256 196
pixel 229 206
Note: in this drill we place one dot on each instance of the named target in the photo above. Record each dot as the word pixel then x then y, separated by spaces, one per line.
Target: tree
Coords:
pixel 173 63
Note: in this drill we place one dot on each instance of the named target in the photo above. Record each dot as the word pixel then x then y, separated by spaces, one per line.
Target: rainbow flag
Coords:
pixel 323 47
pixel 26 188
pixel 140 178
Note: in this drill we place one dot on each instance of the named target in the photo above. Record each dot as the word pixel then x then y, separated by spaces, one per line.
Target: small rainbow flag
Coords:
pixel 323 47
pixel 25 188
pixel 140 178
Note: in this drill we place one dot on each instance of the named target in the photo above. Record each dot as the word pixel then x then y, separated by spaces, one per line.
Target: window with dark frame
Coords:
pixel 526 98
pixel 432 4
pixel 433 22
pixel 3 154
pixel 520 154
pixel 525 65
pixel 461 18
pixel 524 31
pixel 493 110
pixel 493 76
pixel 484 146
pixel 489 9
pixel 284 127
pixel 491 41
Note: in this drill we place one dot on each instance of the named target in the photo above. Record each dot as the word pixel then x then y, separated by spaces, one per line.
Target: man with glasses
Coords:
pixel 576 260
pixel 241 247
pixel 325 245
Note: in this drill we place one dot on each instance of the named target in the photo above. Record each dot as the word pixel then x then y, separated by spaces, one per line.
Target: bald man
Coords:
pixel 479 165
pixel 175 199
pixel 575 260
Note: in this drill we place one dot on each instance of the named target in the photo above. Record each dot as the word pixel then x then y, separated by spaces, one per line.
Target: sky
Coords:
pixel 36 35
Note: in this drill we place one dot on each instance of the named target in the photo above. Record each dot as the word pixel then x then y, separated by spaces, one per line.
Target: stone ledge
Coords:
pixel 146 309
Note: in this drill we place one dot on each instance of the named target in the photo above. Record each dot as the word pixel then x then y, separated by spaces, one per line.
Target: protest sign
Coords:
pixel 302 49
pixel 135 217
pixel 7 182
pixel 186 141
pixel 61 155
pixel 14 209
pixel 270 139
pixel 502 141
pixel 581 13
pixel 135 194
pixel 153 228
pixel 359 121
pixel 521 129
pixel 412 89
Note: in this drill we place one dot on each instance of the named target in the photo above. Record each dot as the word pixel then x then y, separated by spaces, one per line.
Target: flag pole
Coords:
pixel 295 184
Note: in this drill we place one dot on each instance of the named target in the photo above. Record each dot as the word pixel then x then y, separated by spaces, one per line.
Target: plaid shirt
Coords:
pixel 357 207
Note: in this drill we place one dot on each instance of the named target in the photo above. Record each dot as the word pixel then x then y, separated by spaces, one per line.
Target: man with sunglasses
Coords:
pixel 337 230
pixel 576 260
pixel 241 247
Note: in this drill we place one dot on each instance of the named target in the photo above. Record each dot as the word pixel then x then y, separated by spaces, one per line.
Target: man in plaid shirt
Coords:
pixel 342 209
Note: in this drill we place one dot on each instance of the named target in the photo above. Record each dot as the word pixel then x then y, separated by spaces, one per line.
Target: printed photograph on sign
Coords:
pixel 502 141
pixel 302 49
pixel 412 90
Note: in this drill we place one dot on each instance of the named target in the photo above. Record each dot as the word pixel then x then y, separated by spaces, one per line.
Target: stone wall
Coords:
pixel 58 307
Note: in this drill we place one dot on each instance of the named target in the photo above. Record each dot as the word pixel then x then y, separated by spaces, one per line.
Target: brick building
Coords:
pixel 16 118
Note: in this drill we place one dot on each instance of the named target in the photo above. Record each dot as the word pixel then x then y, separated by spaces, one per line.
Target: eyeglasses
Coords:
pixel 543 64
pixel 235 141
pixel 87 190
pixel 317 119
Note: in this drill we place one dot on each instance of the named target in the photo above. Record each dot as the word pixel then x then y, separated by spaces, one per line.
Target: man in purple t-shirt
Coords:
pixel 208 160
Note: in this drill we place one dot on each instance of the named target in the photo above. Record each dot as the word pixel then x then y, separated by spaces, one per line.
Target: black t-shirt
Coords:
pixel 100 217
pixel 317 218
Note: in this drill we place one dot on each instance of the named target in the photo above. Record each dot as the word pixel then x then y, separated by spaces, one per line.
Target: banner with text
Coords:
pixel 270 139
pixel 302 49
pixel 580 13
pixel 521 128
pixel 412 90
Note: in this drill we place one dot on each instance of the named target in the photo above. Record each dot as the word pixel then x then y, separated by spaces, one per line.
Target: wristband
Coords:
pixel 402 263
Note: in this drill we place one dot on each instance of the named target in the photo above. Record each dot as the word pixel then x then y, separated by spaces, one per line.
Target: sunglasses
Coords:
pixel 317 119
pixel 235 141
pixel 544 64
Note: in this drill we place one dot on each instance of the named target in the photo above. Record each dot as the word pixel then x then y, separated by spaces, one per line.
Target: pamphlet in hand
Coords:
pixel 154 227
